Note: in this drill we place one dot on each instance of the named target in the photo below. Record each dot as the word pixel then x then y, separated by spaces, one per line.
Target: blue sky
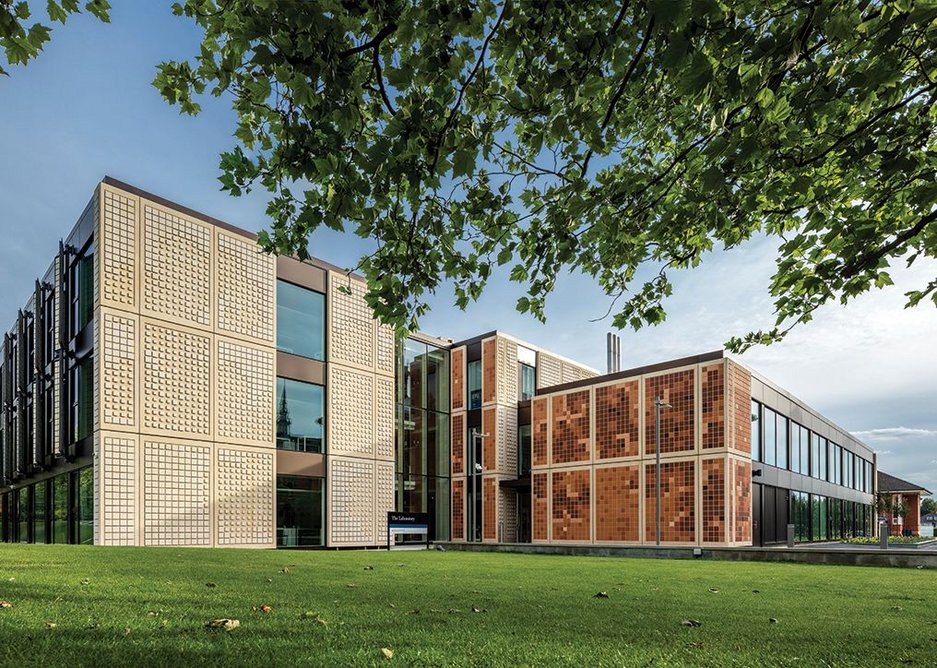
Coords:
pixel 86 108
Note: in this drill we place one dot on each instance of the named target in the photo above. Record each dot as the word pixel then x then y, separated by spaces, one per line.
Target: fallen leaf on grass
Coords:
pixel 698 644
pixel 600 594
pixel 474 609
pixel 210 585
pixel 714 590
pixel 756 591
pixel 413 612
pixel 126 632
pixel 455 611
pixel 223 623
pixel 369 568
pixel 388 653
pixel 51 625
pixel 772 620
pixel 5 604
pixel 284 570
pixel 393 605
pixel 269 579
pixel 351 585
pixel 691 622
pixel 86 581
pixel 265 608
pixel 153 613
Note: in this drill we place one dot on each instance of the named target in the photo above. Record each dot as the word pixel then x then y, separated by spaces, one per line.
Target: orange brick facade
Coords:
pixel 458 378
pixel 593 459
pixel 616 421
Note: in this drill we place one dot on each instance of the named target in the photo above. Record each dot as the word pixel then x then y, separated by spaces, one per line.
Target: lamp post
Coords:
pixel 658 404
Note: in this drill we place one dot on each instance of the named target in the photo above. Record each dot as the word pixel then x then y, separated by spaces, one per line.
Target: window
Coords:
pixel 81 291
pixel 527 381
pixel 60 509
pixel 824 469
pixel 81 397
pixel 23 514
pixel 84 519
pixel 300 511
pixel 782 441
pixel 770 443
pixel 300 321
pixel 474 373
pixel 804 451
pixel 523 450
pixel 437 379
pixel 756 431
pixel 300 416
pixel 795 447
pixel 39 512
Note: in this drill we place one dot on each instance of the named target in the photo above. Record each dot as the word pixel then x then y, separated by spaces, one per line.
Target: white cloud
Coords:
pixel 893 433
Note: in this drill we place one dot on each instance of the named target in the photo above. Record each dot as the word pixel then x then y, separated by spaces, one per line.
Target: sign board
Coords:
pixel 407 523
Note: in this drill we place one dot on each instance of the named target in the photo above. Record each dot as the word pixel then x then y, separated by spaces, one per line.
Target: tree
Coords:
pixel 21 42
pixel 588 136
pixel 892 505
pixel 928 506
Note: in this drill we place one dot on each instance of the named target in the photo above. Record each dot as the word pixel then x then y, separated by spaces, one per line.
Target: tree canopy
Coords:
pixel 22 42
pixel 587 136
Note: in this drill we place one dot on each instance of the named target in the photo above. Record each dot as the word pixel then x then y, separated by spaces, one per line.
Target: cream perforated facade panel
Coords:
pixel 185 375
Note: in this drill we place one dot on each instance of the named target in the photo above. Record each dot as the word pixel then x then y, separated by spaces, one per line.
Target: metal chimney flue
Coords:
pixel 613 353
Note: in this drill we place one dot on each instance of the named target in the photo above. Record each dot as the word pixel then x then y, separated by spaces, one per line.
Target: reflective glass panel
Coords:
pixel 300 418
pixel 300 511
pixel 300 321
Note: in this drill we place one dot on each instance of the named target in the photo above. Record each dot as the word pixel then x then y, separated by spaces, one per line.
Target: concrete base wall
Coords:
pixel 905 558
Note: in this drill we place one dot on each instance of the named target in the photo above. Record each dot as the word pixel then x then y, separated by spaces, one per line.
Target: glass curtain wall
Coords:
pixel 300 321
pixel 423 442
pixel 300 511
pixel 300 416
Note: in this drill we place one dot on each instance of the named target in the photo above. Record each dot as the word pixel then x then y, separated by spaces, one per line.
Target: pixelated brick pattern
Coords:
pixel 245 402
pixel 489 371
pixel 384 487
pixel 538 432
pixel 245 496
pixel 712 395
pixel 118 460
pixel 384 424
pixel 176 494
pixel 457 357
pixel 490 444
pixel 549 371
pixel 507 440
pixel 617 503
pixel 119 352
pixel 246 284
pixel 540 500
pixel 677 502
pixel 616 420
pixel 742 490
pixel 352 511
pixel 489 508
pixel 676 423
pixel 176 380
pixel 458 443
pixel 458 509
pixel 740 408
pixel 507 371
pixel 571 505
pixel 350 417
pixel 714 504
pixel 119 253
pixel 570 441
pixel 352 323
pixel 386 349
pixel 176 267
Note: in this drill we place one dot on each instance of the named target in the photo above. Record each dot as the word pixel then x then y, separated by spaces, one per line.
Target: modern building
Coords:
pixel 898 493
pixel 170 384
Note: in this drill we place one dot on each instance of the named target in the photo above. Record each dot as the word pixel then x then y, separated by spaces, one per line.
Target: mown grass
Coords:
pixel 144 606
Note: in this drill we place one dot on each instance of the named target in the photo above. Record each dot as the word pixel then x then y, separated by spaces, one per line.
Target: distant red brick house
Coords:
pixel 911 495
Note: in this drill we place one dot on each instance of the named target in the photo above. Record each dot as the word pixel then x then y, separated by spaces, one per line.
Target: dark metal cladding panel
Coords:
pixel 62 380
pixel 6 382
pixel 21 436
pixel 39 384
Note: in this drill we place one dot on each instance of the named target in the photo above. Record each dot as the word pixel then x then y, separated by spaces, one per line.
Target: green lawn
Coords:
pixel 144 606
